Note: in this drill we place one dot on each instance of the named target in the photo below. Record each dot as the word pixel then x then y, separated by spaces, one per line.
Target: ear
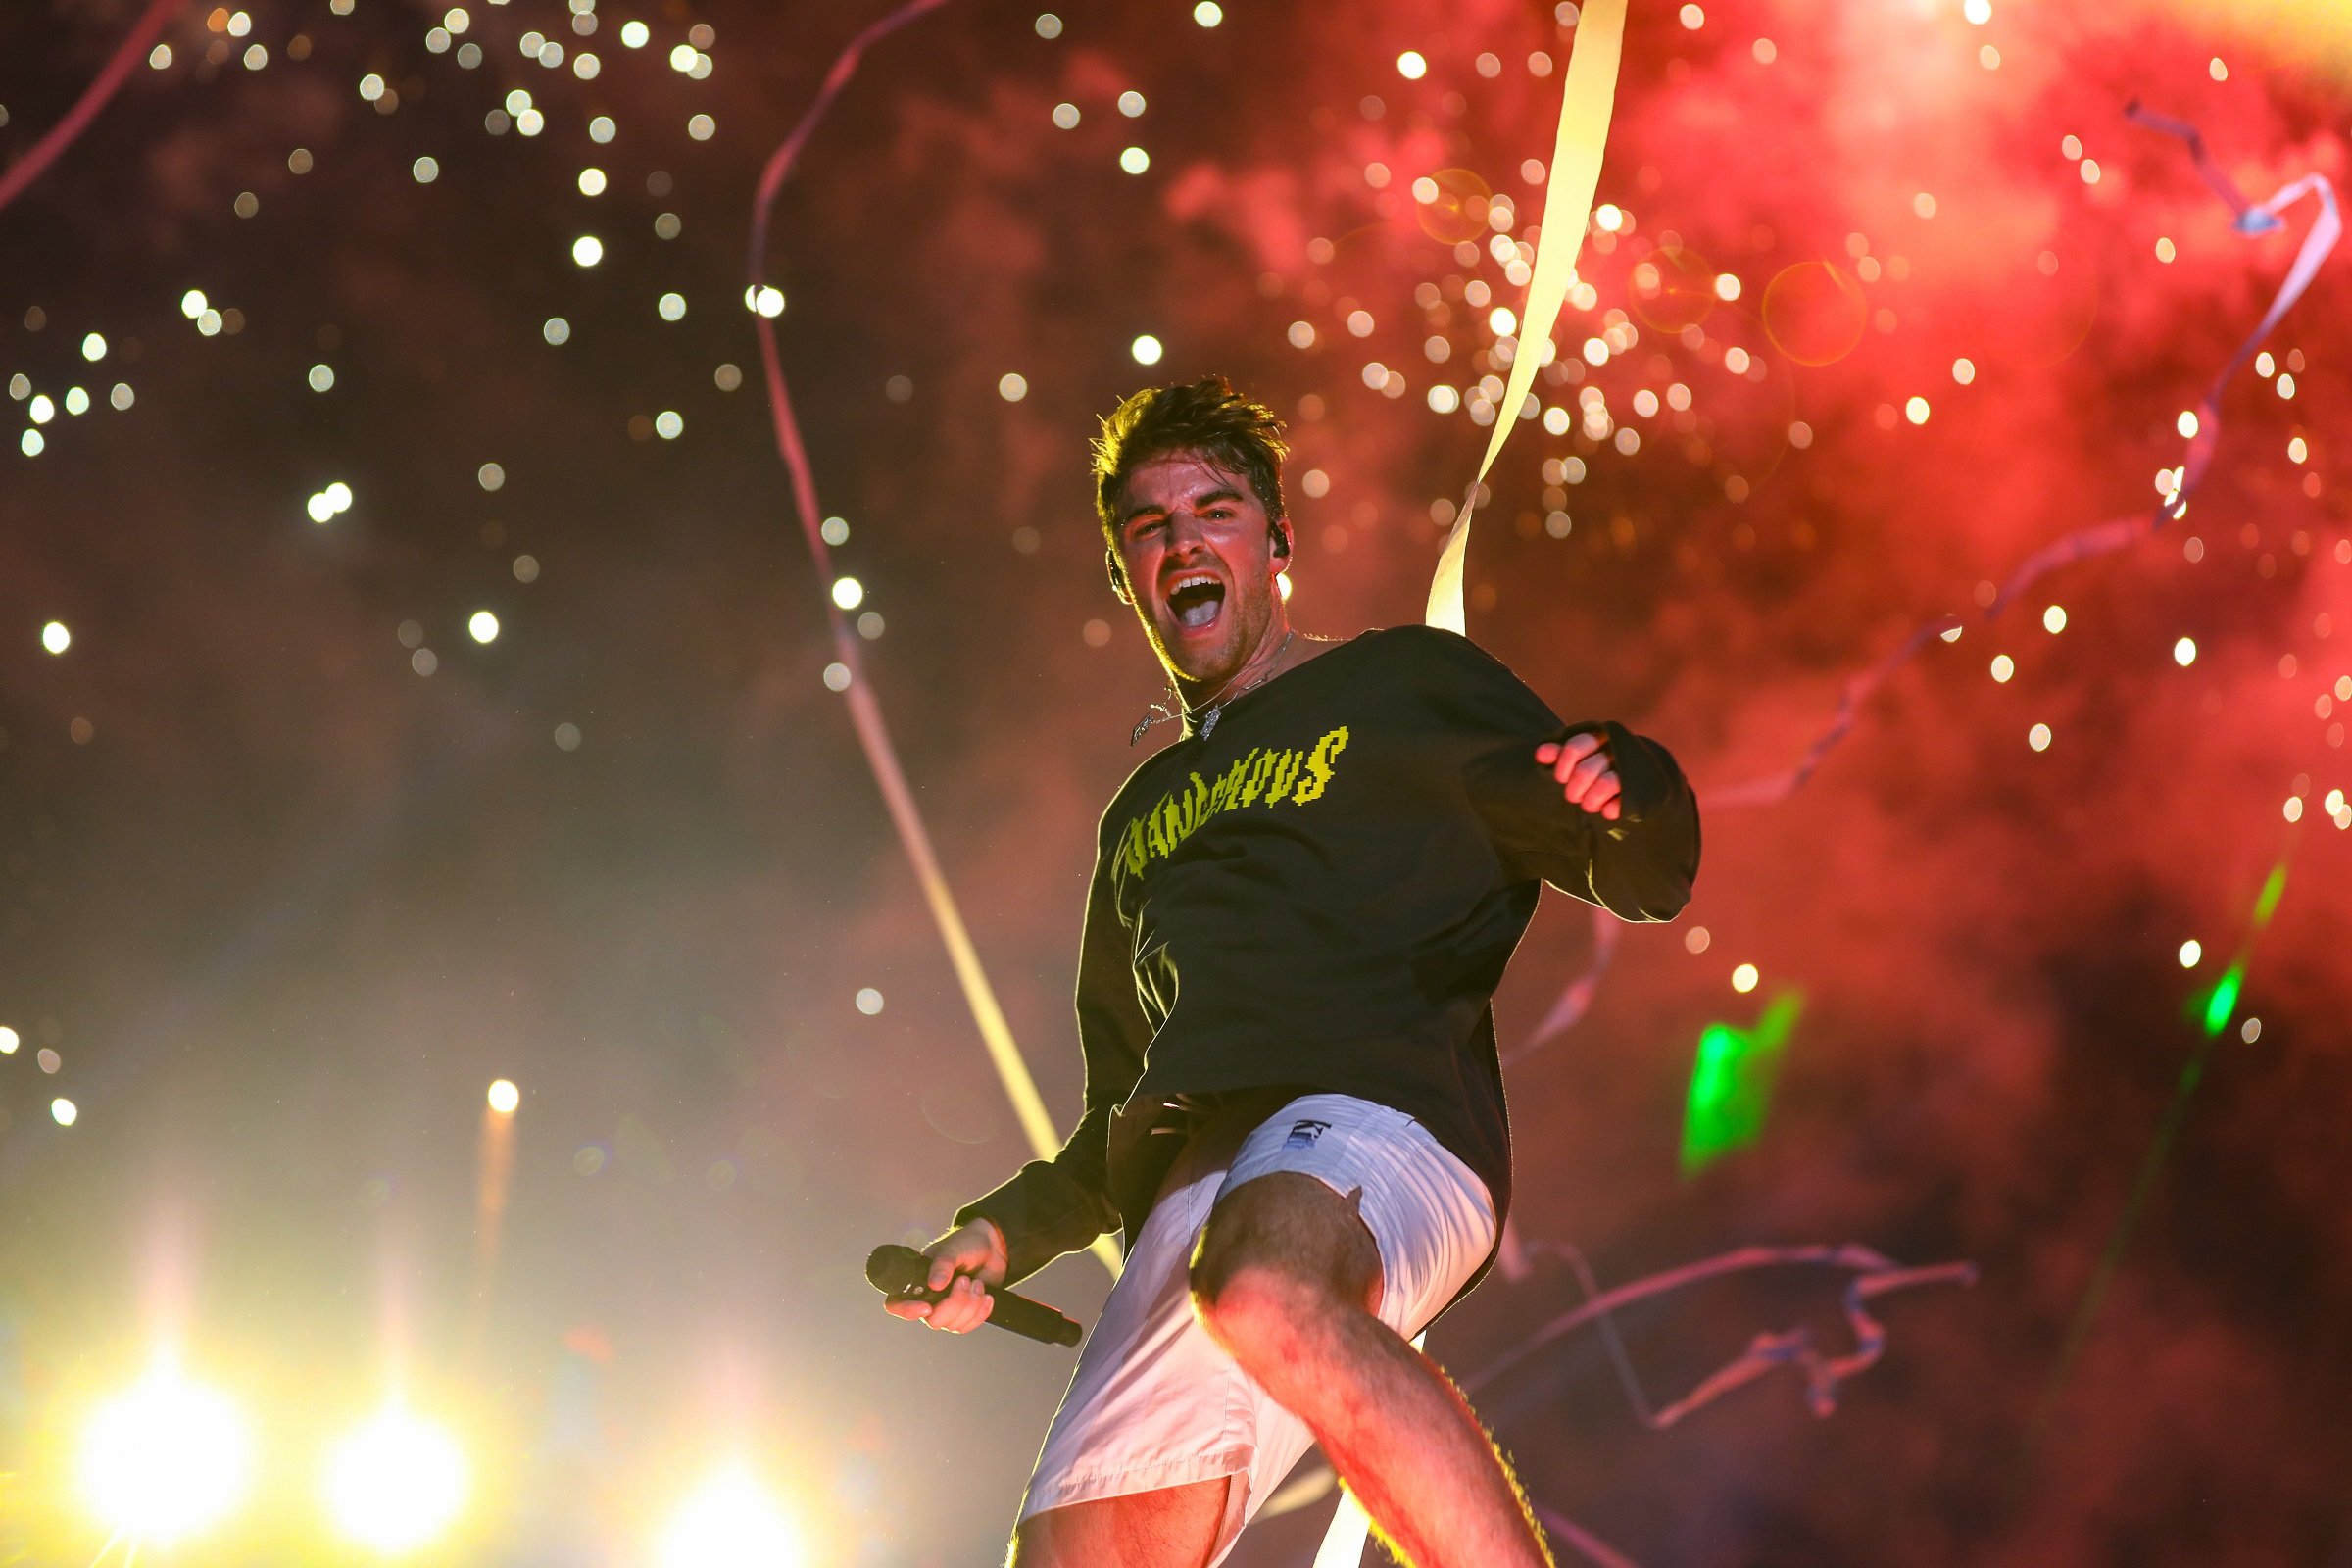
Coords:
pixel 1280 545
pixel 1117 575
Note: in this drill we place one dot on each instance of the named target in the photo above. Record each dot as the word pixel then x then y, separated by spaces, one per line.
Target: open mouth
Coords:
pixel 1196 600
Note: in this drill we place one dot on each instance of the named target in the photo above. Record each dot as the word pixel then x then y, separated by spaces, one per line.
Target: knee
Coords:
pixel 1256 1311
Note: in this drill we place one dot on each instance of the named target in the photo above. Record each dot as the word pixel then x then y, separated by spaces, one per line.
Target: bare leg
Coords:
pixel 1286 1278
pixel 1175 1527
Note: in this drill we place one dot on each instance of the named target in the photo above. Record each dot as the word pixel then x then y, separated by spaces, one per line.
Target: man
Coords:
pixel 1300 908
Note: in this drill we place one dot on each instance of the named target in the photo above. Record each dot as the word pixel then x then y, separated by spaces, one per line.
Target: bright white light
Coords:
pixel 1916 411
pixel 556 330
pixel 1208 13
pixel 2053 619
pixel 1135 159
pixel 41 409
pixel 1744 978
pixel 56 638
pixel 1147 350
pixel 64 1111
pixel 592 182
pixel 483 627
pixel 10 1040
pixel 504 1097
pixel 1131 103
pixel 1964 372
pixel 93 348
pixel 2003 666
pixel 338 495
pixel 2038 737
pixel 1411 66
pixel 635 34
pixel 848 592
pixel 427 170
pixel 192 304
pixel 2185 652
pixel 702 127
pixel 1978 12
pixel 671 307
pixel 837 677
pixel 322 378
pixel 732 1519
pixel 1500 321
pixel 167 1457
pixel 587 250
pixel 869 1001
pixel 764 299
pixel 1012 386
pixel 2191 951
pixel 396 1483
pixel 319 506
pixel 669 425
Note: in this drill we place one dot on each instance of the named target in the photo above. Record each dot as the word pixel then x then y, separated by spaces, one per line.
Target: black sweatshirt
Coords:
pixel 1321 895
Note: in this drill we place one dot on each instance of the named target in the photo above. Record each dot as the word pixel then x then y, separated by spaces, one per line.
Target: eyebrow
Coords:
pixel 1206 498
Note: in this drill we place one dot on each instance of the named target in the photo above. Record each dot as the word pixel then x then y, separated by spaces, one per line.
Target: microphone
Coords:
pixel 905 1275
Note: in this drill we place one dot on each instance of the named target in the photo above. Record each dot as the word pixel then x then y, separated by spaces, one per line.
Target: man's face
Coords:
pixel 1197 549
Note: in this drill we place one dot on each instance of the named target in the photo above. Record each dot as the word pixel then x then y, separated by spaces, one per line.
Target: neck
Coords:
pixel 1262 658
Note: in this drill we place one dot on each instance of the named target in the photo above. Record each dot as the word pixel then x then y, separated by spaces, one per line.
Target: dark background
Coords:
pixel 282 906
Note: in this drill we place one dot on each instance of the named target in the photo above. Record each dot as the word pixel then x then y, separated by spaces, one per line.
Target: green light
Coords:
pixel 2224 1000
pixel 1730 1082
pixel 2269 896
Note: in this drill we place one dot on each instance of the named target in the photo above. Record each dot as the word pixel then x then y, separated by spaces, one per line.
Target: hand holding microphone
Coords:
pixel 950 1287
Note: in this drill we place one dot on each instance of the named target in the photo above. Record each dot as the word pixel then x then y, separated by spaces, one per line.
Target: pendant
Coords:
pixel 1209 725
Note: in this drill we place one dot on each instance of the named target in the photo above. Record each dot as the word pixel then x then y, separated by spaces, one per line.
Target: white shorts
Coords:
pixel 1154 1402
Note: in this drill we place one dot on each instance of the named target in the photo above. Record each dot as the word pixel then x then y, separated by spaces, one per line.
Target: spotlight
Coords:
pixel 166 1458
pixel 396 1483
pixel 731 1520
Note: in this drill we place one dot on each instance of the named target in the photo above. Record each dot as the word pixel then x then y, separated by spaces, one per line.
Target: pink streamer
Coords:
pixel 1875 1275
pixel 2094 539
pixel 2104 538
pixel 93 98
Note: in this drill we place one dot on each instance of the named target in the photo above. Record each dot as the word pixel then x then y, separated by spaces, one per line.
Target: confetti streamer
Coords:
pixel 2095 539
pixel 62 135
pixel 1586 98
pixel 2103 538
pixel 1875 1275
pixel 865 713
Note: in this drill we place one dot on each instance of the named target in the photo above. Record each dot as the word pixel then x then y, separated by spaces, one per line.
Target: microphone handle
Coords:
pixel 905 1275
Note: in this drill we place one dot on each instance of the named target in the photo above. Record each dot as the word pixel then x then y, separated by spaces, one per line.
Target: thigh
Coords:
pixel 1169 1527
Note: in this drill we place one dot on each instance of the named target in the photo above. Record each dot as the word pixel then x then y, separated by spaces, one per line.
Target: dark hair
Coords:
pixel 1208 417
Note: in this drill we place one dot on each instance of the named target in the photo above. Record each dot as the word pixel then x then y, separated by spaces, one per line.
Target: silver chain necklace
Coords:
pixel 1207 713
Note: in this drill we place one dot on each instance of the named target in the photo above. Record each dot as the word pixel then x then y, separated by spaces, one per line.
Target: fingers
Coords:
pixel 964 1307
pixel 1563 755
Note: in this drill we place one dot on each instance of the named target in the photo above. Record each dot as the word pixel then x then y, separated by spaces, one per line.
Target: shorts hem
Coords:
pixel 1098 1485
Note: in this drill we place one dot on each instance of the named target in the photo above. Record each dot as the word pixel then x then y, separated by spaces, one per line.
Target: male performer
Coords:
pixel 1293 1107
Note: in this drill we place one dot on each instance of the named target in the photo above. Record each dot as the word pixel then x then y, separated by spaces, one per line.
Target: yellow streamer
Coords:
pixel 1586 98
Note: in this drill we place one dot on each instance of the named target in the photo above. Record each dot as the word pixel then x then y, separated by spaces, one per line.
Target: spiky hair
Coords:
pixel 1208 417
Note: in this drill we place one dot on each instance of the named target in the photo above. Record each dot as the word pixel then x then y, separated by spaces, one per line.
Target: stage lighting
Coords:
pixel 732 1522
pixel 504 1097
pixel 166 1458
pixel 396 1483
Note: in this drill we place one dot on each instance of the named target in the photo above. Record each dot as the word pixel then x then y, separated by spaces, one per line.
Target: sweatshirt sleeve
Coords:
pixel 1639 867
pixel 1052 1207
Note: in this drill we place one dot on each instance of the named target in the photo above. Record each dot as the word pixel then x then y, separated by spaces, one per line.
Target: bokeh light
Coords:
pixel 504 1097
pixel 1744 978
pixel 56 638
